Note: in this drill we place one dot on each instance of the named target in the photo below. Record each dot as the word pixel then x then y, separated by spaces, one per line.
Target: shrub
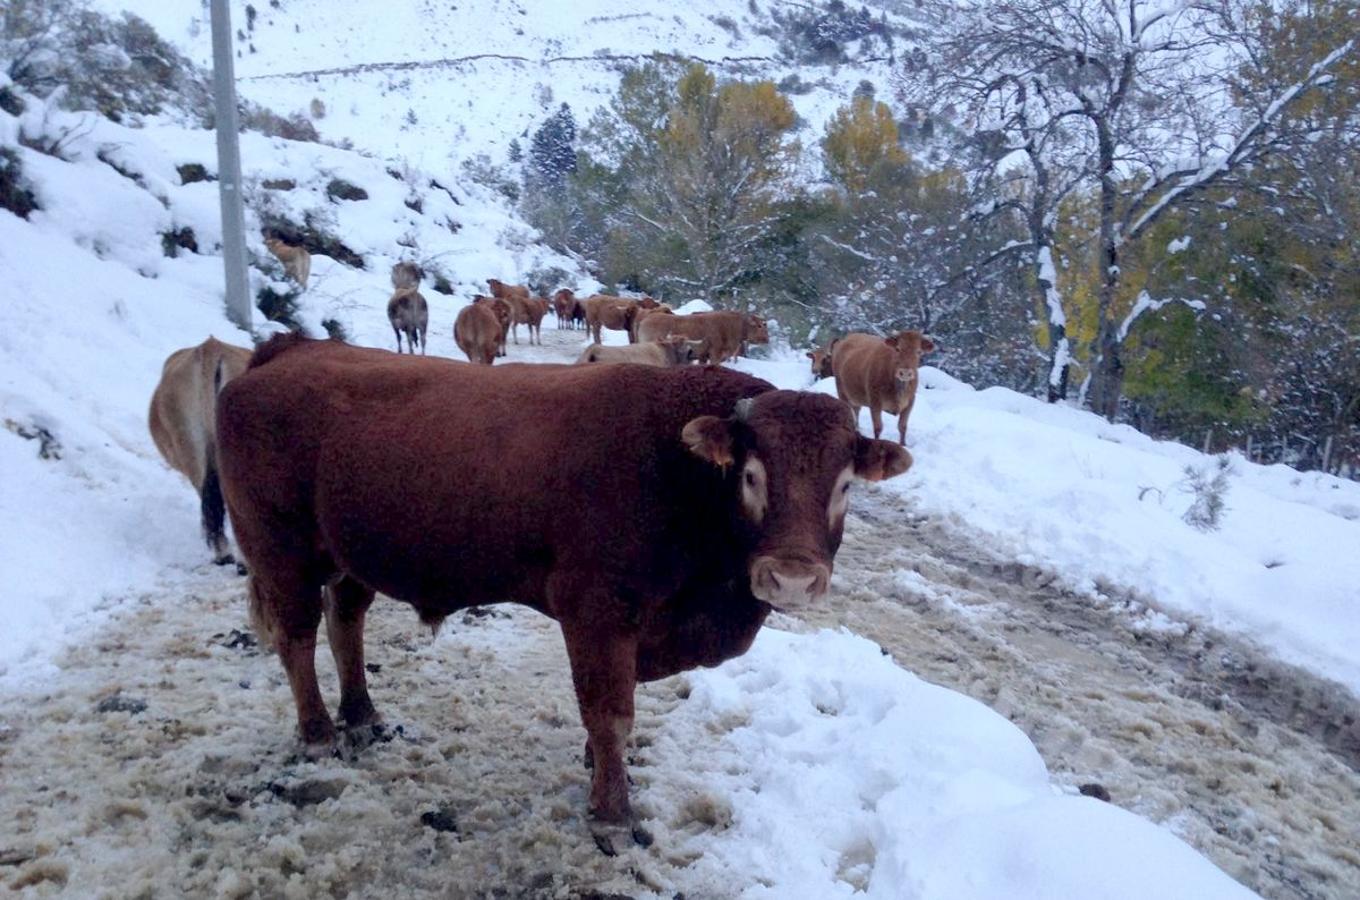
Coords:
pixel 1209 485
pixel 278 184
pixel 178 239
pixel 335 329
pixel 15 194
pixel 281 307
pixel 441 282
pixel 192 172
pixel 340 189
pixel 296 127
pixel 11 102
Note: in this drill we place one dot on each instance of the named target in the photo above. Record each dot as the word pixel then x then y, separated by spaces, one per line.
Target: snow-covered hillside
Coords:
pixel 441 82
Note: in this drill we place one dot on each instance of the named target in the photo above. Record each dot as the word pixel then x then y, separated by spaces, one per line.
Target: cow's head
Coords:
pixel 754 330
pixel 790 458
pixel 680 350
pixel 821 361
pixel 908 348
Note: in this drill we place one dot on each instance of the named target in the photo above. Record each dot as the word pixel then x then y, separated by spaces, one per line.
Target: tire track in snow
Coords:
pixel 1255 763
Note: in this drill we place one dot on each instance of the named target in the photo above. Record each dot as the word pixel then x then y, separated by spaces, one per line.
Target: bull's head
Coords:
pixel 821 361
pixel 792 457
pixel 754 330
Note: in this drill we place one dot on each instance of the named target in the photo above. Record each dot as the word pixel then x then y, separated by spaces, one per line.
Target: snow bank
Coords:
pixel 844 775
pixel 1102 506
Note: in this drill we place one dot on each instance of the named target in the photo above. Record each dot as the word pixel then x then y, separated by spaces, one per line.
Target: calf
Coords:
pixel 183 421
pixel 531 312
pixel 410 315
pixel 684 504
pixel 479 332
pixel 880 373
pixel 297 262
pixel 406 275
pixel 504 315
pixel 670 351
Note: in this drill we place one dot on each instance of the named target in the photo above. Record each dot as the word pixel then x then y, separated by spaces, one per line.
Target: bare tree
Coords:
pixel 1131 99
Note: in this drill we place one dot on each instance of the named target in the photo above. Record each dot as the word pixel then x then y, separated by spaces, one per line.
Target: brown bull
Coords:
pixel 880 373
pixel 479 332
pixel 678 512
pixel 183 421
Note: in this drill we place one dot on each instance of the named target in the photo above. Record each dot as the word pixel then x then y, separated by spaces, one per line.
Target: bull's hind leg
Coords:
pixel 286 613
pixel 346 602
pixel 214 512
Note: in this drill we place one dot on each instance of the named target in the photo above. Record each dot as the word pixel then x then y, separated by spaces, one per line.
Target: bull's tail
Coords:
pixel 276 345
pixel 261 622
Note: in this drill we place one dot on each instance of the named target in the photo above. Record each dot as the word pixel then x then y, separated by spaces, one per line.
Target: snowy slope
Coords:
pixel 441 82
pixel 1102 507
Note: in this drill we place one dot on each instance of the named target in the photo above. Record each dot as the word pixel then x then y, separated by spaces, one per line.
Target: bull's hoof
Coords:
pixel 224 559
pixel 613 838
pixel 317 739
pixel 241 569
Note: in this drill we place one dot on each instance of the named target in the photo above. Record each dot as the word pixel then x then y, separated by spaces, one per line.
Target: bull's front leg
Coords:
pixel 604 672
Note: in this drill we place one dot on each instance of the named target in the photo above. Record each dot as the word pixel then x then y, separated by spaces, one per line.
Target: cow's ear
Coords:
pixel 891 341
pixel 709 438
pixel 876 460
pixel 810 355
pixel 927 345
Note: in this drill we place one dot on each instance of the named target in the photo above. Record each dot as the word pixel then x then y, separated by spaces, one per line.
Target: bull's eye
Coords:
pixel 754 492
pixel 840 497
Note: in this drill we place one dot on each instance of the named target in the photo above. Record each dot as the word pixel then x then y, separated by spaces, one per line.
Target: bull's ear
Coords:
pixel 810 355
pixel 876 460
pixel 927 345
pixel 891 341
pixel 709 438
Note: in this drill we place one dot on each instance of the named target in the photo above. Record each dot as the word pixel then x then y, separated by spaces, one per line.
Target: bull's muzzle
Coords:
pixel 789 583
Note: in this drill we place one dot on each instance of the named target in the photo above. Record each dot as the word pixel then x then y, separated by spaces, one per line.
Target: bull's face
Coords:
pixel 791 459
pixel 821 361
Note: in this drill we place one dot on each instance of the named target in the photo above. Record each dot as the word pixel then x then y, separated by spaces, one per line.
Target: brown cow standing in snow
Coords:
pixel 880 373
pixel 183 420
pixel 682 506
pixel 479 331
pixel 568 309
pixel 614 313
pixel 724 333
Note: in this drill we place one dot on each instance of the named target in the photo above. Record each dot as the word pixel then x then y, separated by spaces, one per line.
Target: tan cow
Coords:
pixel 614 313
pixel 644 311
pixel 504 314
pixel 531 312
pixel 297 262
pixel 821 360
pixel 724 333
pixel 477 331
pixel 410 315
pixel 880 373
pixel 671 351
pixel 406 274
pixel 183 420
pixel 505 291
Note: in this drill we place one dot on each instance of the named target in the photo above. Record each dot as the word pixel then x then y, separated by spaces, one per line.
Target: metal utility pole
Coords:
pixel 229 168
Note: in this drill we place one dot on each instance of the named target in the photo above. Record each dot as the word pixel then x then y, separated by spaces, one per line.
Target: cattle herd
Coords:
pixel 682 504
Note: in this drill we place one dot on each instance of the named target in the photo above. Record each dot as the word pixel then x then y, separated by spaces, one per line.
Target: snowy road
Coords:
pixel 161 759
pixel 1255 764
